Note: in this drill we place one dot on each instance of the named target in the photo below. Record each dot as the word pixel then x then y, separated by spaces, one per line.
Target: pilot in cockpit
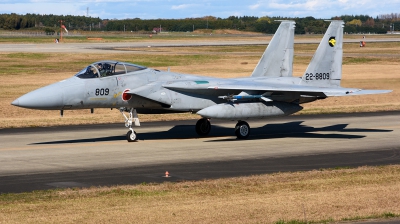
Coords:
pixel 102 70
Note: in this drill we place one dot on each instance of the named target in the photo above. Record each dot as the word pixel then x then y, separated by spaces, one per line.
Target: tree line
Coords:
pixel 16 22
pixel 354 23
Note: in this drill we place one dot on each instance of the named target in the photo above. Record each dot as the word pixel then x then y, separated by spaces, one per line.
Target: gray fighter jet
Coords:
pixel 269 91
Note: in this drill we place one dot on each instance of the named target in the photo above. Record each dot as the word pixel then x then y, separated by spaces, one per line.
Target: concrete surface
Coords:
pixel 99 155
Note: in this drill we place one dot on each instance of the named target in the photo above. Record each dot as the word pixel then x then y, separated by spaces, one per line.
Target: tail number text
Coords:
pixel 317 76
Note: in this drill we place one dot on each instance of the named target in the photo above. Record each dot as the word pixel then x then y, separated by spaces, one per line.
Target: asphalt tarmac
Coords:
pixel 121 47
pixel 98 155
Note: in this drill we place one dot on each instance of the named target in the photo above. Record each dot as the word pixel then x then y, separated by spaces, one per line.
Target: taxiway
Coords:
pixel 99 155
pixel 134 47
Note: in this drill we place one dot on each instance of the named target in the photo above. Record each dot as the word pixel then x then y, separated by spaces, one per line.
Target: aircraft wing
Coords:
pixel 242 85
pixel 312 90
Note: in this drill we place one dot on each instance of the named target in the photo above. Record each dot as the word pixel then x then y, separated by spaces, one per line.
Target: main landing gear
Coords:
pixel 242 128
pixel 132 119
pixel 203 127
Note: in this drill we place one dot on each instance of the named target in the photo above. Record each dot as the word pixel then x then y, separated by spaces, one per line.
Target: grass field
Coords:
pixel 318 196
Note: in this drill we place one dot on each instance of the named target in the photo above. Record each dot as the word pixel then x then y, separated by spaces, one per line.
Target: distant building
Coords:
pixel 157 30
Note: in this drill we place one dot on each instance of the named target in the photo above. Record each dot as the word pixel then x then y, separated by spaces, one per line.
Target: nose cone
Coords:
pixel 46 98
pixel 15 103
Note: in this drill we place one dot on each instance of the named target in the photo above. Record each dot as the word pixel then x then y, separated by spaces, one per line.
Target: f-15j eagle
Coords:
pixel 269 91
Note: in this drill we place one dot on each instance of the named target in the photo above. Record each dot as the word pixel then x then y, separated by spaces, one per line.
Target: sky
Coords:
pixel 179 9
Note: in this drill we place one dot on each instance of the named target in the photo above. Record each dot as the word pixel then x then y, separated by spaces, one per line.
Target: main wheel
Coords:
pixel 131 136
pixel 203 127
pixel 242 130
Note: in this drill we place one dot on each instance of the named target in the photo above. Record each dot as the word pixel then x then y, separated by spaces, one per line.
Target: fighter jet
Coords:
pixel 271 90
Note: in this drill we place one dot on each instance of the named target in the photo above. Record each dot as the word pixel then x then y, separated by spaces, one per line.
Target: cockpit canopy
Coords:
pixel 107 68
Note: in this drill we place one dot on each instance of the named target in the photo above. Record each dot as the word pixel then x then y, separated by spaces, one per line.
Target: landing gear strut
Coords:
pixel 203 127
pixel 133 118
pixel 242 130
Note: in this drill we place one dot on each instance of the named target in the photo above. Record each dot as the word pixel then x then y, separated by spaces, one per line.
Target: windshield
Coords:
pixel 107 68
pixel 88 73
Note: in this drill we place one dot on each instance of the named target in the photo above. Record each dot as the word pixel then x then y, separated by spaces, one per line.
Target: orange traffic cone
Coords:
pixel 167 174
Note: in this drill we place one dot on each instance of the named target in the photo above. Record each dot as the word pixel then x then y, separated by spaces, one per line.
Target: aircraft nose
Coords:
pixel 15 102
pixel 48 97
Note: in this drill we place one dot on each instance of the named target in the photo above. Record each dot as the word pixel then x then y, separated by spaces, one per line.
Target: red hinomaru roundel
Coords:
pixel 125 96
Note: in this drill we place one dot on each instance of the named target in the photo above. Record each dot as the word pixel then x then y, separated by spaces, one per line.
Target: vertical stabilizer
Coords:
pixel 277 60
pixel 325 68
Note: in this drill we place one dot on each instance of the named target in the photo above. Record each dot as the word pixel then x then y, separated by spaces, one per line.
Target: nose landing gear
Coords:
pixel 131 136
pixel 132 119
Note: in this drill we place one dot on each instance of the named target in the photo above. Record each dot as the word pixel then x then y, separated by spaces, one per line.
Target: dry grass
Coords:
pixel 312 196
pixel 225 31
pixel 23 72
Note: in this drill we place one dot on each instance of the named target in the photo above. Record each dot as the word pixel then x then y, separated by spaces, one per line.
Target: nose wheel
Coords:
pixel 131 136
pixel 242 130
pixel 132 119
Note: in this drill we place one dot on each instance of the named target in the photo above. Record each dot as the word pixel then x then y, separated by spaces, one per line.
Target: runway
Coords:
pixel 99 155
pixel 135 46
